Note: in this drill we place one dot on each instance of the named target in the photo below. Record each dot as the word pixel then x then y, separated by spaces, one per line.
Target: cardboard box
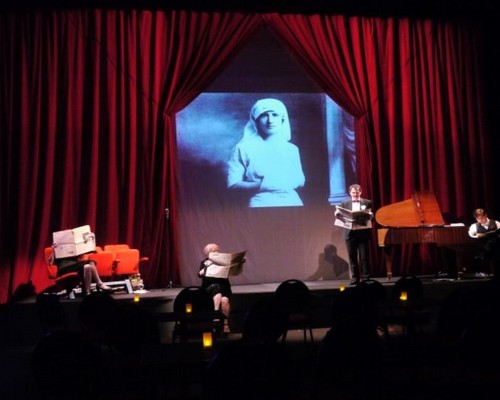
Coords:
pixel 73 242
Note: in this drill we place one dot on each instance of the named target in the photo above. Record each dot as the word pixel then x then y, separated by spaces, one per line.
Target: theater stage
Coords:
pixel 21 325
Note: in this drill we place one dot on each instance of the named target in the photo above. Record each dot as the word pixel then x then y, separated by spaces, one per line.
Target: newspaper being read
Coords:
pixel 349 219
pixel 225 264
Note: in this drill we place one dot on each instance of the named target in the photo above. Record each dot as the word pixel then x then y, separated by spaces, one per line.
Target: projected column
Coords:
pixel 335 146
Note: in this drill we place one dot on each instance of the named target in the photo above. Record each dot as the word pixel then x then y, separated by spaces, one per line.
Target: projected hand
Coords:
pixel 277 181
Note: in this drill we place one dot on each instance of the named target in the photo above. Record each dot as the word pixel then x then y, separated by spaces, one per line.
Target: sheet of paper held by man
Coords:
pixel 349 219
pixel 225 264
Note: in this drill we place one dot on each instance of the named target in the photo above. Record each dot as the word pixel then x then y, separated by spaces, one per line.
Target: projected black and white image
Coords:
pixel 265 149
pixel 271 193
pixel 264 163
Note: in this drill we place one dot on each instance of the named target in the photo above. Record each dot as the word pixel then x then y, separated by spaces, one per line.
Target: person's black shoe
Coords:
pixel 479 257
pixel 354 281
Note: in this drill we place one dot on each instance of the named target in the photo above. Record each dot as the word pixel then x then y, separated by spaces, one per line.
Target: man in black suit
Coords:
pixel 357 233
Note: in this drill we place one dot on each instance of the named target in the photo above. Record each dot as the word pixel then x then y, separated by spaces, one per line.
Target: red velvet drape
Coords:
pixel 86 124
pixel 88 100
pixel 415 89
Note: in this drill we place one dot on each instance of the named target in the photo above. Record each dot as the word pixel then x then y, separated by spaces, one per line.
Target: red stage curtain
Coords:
pixel 88 99
pixel 413 87
pixel 86 106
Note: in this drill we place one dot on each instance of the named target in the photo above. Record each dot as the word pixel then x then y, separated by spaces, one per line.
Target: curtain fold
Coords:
pixel 87 118
pixel 86 110
pixel 197 52
pixel 413 87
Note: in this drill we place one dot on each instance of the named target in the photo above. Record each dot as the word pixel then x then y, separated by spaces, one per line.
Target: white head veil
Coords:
pixel 265 105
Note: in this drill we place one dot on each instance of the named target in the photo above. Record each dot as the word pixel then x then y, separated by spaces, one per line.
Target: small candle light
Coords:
pixel 137 298
pixel 403 296
pixel 342 288
pixel 207 340
pixel 189 308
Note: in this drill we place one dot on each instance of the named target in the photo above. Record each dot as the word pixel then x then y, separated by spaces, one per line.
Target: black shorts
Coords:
pixel 216 287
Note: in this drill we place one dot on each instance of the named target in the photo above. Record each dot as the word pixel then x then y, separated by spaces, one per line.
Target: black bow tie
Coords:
pixel 355 201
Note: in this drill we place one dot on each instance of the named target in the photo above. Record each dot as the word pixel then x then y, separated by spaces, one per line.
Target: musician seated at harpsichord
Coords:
pixel 486 230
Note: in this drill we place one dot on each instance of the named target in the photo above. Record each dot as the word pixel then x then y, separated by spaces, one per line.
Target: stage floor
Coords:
pixel 21 324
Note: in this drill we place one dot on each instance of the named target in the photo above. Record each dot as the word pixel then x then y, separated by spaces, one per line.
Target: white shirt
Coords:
pixel 473 228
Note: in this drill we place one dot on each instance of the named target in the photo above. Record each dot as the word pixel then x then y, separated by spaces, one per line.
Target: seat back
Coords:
pixel 293 296
pixel 293 301
pixel 373 290
pixel 127 262
pixel 116 247
pixel 66 282
pixel 199 298
pixel 200 319
pixel 105 263
pixel 413 286
pixel 51 268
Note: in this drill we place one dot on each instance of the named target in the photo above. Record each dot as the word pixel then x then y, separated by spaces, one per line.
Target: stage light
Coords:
pixel 189 308
pixel 342 288
pixel 403 296
pixel 137 298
